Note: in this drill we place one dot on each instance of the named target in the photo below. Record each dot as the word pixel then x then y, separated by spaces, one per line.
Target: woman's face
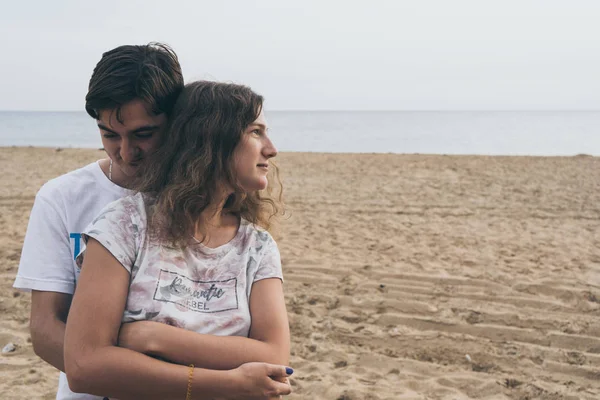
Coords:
pixel 252 154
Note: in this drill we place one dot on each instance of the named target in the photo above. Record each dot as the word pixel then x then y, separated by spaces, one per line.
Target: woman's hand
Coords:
pixel 261 381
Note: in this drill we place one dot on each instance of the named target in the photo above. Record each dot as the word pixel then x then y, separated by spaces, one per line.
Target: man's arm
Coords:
pixel 46 268
pixel 49 312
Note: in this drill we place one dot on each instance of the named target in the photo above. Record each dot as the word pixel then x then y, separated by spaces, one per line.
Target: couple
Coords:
pixel 179 291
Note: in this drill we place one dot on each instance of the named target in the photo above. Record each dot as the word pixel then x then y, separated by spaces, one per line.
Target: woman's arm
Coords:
pixel 95 365
pixel 269 318
pixel 268 341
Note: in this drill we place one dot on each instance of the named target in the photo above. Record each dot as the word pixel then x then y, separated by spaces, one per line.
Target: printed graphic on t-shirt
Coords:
pixel 200 296
pixel 76 243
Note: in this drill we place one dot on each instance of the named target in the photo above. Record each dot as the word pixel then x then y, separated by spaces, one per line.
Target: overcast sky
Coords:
pixel 319 55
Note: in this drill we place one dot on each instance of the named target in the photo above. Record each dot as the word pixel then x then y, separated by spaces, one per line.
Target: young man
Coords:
pixel 131 93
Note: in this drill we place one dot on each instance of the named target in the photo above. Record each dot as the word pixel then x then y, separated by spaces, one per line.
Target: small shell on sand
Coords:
pixel 9 348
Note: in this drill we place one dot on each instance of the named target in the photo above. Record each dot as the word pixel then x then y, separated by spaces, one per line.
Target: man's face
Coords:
pixel 129 142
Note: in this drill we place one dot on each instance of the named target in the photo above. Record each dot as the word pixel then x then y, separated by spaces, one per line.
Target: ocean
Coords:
pixel 544 133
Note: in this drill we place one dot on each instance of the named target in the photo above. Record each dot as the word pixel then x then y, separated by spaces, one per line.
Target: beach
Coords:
pixel 406 276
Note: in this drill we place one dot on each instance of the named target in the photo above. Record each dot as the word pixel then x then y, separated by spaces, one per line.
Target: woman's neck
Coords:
pixel 213 215
pixel 218 230
pixel 216 226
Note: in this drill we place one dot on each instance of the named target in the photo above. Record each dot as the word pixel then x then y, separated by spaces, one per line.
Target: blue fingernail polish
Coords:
pixel 289 371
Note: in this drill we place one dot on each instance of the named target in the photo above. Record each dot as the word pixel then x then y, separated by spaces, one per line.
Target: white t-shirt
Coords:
pixel 63 207
pixel 201 289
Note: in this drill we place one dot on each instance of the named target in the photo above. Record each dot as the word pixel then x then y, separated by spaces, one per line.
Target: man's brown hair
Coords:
pixel 149 72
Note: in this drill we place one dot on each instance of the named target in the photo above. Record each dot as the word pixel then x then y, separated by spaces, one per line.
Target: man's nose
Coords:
pixel 129 152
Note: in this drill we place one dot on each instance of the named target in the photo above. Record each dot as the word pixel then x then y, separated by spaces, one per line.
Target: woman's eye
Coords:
pixel 144 135
pixel 256 132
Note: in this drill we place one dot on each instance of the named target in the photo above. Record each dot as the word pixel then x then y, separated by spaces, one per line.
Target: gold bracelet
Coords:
pixel 188 396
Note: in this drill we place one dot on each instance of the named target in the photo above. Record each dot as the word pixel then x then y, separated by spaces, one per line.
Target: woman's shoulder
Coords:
pixel 130 202
pixel 256 233
pixel 133 205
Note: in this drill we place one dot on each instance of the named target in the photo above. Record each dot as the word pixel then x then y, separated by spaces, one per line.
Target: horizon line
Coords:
pixel 375 110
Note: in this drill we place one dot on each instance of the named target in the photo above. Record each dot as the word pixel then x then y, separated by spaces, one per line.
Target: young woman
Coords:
pixel 189 258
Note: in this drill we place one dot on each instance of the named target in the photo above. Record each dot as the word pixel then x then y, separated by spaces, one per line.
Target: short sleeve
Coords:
pixel 46 259
pixel 270 263
pixel 114 229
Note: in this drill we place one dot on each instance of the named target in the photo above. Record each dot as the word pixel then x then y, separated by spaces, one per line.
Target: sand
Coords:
pixel 407 276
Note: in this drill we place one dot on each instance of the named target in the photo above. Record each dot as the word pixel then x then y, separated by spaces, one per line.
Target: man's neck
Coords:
pixel 115 175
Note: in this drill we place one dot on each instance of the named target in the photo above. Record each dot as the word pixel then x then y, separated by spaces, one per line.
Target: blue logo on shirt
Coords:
pixel 77 244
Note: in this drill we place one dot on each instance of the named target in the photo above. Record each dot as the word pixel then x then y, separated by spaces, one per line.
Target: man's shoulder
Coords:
pixel 76 181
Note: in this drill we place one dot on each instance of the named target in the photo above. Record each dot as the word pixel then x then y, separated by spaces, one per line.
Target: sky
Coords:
pixel 320 55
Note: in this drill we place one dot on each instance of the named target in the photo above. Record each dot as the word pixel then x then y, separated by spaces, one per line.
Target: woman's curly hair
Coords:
pixel 196 157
